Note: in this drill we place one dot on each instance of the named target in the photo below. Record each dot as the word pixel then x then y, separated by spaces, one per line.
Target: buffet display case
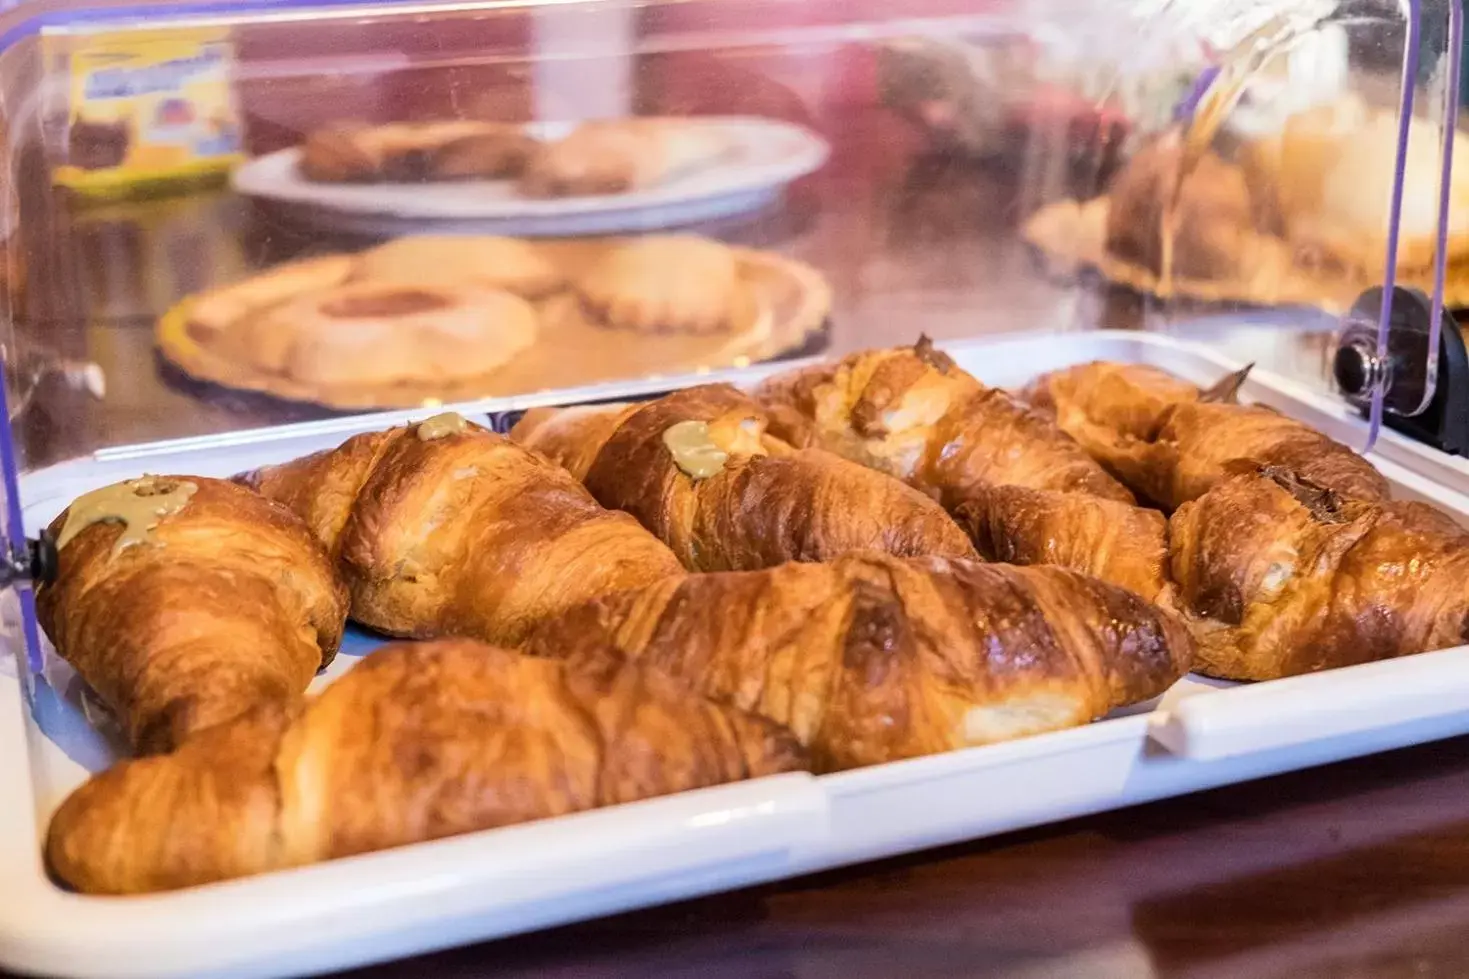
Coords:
pixel 776 434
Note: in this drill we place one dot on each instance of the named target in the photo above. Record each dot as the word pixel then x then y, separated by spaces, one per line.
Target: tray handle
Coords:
pixel 1299 711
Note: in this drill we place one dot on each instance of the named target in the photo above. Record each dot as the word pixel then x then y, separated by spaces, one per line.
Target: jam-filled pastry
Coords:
pixel 382 333
pixel 663 284
pixel 617 156
pixel 510 264
pixel 214 312
pixel 415 152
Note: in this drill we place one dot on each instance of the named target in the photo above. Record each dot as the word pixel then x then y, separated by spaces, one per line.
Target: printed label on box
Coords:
pixel 147 106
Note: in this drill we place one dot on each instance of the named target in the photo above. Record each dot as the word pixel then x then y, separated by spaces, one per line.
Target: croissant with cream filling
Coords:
pixel 1025 491
pixel 697 469
pixel 184 602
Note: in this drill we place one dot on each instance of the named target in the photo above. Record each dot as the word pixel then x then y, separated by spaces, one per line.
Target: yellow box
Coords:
pixel 147 111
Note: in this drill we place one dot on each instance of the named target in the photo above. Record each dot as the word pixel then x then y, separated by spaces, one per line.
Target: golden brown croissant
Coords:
pixel 697 469
pixel 1171 442
pixel 446 529
pixel 1282 576
pixel 1103 399
pixel 872 658
pixel 185 601
pixel 1117 542
pixel 1200 444
pixel 912 412
pixel 420 741
pixel 1025 491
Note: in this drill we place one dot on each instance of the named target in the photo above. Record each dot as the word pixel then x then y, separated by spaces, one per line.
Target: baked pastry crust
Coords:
pixel 1297 218
pixel 621 155
pixel 229 603
pixel 418 742
pixel 1281 576
pixel 766 504
pixel 1330 169
pixel 415 152
pixel 1025 492
pixel 380 333
pixel 1210 233
pixel 512 264
pixel 463 534
pixel 663 283
pixel 872 659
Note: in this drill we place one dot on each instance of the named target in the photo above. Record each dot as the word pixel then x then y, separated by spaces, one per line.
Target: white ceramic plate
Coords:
pixel 764 157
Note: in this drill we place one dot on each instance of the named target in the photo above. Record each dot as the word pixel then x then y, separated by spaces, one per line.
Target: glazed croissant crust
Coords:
pixel 914 413
pixel 872 658
pixel 764 504
pixel 226 603
pixel 1024 490
pixel 418 742
pixel 462 534
pixel 1280 576
pixel 1171 442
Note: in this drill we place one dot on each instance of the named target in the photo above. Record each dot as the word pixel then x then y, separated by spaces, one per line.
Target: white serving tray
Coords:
pixel 414 899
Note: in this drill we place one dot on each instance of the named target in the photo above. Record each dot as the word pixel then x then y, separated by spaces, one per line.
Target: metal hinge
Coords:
pixel 34 562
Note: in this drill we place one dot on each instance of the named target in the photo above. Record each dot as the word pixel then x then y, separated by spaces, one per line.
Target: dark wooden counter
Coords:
pixel 1359 870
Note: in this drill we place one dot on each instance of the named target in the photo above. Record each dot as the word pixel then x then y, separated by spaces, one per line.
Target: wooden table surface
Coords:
pixel 1357 870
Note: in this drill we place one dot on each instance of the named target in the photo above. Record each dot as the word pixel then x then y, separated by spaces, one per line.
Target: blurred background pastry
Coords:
pixel 427 319
pixel 663 283
pixel 415 152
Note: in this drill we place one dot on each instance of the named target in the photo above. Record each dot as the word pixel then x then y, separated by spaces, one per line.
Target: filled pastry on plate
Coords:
pixel 663 283
pixel 621 155
pixel 415 152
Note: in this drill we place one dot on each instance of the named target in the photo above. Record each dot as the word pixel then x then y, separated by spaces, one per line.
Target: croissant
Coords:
pixel 184 602
pixel 697 469
pixel 1200 443
pixel 915 414
pixel 1104 400
pixel 1119 543
pixel 420 741
pixel 446 529
pixel 1025 491
pixel 1171 442
pixel 872 658
pixel 1280 575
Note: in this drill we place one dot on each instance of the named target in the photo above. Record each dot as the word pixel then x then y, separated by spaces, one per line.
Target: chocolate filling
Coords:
pixel 1323 503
